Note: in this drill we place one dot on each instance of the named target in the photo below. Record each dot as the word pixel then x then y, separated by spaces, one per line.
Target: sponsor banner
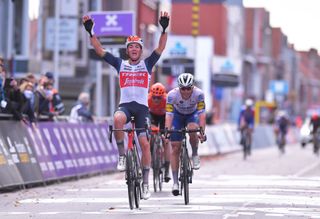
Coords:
pixel 62 160
pixel 19 151
pixel 109 150
pixel 76 149
pixel 44 157
pixel 9 172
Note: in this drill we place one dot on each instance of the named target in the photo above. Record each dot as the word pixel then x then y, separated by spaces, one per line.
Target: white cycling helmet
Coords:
pixel 249 102
pixel 185 80
pixel 134 39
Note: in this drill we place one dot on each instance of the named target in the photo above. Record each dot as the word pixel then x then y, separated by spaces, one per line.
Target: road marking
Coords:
pixel 307 169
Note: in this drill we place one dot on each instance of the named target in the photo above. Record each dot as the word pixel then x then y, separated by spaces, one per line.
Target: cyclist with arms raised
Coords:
pixel 246 120
pixel 185 108
pixel 157 107
pixel 134 79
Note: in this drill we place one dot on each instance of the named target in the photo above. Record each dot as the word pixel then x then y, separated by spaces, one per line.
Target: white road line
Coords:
pixel 306 169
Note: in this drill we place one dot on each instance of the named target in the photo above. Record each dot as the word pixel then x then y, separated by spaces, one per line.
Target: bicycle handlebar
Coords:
pixel 128 130
pixel 184 131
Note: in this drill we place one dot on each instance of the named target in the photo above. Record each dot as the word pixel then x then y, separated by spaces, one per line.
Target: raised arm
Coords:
pixel 88 24
pixel 164 22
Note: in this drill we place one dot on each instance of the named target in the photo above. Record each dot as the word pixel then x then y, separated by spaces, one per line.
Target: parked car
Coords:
pixel 306 132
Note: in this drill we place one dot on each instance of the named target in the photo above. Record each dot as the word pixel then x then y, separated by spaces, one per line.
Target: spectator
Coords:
pixel 3 102
pixel 57 104
pixel 14 99
pixel 43 97
pixel 80 112
pixel 28 106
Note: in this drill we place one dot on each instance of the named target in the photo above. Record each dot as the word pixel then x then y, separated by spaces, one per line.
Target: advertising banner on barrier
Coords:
pixel 9 172
pixel 44 157
pixel 74 149
pixel 17 142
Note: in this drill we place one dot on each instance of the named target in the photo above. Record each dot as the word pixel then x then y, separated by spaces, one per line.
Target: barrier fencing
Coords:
pixel 56 150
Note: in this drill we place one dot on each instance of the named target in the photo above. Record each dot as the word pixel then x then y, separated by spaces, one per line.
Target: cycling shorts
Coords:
pixel 181 121
pixel 138 111
pixel 158 120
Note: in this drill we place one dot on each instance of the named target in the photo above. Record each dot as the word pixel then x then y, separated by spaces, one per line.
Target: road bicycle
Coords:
pixel 281 141
pixel 133 172
pixel 157 156
pixel 246 142
pixel 186 170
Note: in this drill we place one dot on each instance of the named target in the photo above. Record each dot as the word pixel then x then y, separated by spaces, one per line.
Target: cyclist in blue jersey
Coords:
pixel 134 80
pixel 246 120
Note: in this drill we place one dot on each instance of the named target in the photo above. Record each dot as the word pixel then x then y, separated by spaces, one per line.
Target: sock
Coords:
pixel 175 177
pixel 120 145
pixel 145 174
pixel 194 151
pixel 166 165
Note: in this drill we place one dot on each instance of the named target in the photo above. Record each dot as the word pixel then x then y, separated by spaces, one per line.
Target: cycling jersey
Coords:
pixel 157 109
pixel 246 116
pixel 175 102
pixel 134 80
pixel 184 111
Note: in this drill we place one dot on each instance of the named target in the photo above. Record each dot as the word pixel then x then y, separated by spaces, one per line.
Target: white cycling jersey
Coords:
pixel 185 107
pixel 134 82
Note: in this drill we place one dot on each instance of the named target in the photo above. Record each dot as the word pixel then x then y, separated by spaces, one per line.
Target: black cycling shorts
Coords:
pixel 158 120
pixel 138 111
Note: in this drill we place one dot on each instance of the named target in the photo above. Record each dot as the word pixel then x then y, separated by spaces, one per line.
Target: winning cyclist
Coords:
pixel 185 108
pixel 134 79
pixel 157 107
pixel 246 120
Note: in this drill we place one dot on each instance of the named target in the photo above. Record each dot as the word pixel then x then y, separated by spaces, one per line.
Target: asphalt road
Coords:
pixel 267 185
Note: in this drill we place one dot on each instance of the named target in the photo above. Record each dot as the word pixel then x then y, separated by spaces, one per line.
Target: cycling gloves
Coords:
pixel 164 22
pixel 88 25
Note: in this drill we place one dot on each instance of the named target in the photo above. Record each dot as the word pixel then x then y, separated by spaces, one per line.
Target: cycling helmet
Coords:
pixel 282 113
pixel 185 80
pixel 134 39
pixel 314 116
pixel 249 102
pixel 157 90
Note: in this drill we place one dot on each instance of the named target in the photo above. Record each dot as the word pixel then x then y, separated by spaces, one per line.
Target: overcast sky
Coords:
pixel 298 19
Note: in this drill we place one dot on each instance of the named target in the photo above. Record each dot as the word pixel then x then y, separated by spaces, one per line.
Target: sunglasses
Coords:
pixel 156 98
pixel 186 88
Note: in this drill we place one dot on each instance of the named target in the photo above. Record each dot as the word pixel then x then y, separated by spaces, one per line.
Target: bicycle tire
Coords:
pixel 137 178
pixel 155 169
pixel 185 182
pixel 130 178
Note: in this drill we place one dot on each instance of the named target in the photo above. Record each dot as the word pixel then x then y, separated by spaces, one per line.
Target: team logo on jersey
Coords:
pixel 169 108
pixel 200 106
pixel 134 79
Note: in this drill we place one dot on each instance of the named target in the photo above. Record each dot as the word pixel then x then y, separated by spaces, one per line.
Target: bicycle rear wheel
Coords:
pixel 155 166
pixel 185 175
pixel 130 178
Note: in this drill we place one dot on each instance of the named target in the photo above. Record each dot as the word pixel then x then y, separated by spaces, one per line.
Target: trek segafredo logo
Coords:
pixel 133 79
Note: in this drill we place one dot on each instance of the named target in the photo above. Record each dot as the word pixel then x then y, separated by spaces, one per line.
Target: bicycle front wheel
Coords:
pixel 137 179
pixel 185 174
pixel 130 178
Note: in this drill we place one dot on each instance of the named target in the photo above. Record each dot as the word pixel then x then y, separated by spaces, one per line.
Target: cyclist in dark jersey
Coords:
pixel 134 79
